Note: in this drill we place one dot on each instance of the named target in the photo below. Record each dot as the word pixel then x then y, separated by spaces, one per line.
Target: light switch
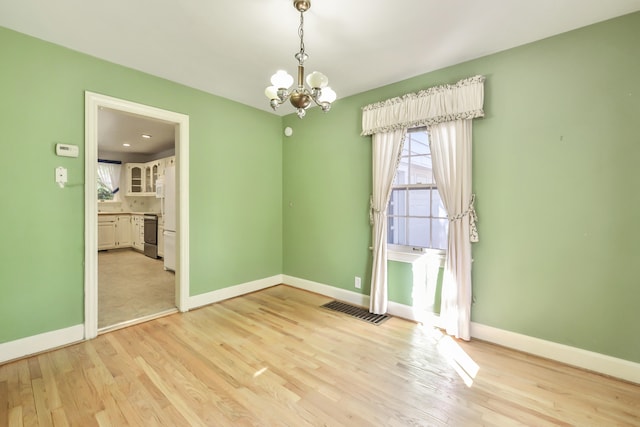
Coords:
pixel 61 176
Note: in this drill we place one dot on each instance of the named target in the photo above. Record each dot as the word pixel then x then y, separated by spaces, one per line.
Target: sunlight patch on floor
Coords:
pixel 458 359
pixel 260 372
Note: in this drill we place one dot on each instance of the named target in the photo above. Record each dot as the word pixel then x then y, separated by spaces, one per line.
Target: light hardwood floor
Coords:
pixel 132 286
pixel 275 358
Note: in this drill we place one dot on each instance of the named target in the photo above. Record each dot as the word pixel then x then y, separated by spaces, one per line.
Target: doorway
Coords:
pixel 94 104
pixel 134 153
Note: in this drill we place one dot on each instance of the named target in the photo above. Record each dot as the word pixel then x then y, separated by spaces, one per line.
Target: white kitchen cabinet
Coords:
pixel 135 179
pixel 142 178
pixel 151 174
pixel 165 163
pixel 123 231
pixel 114 231
pixel 106 232
pixel 137 232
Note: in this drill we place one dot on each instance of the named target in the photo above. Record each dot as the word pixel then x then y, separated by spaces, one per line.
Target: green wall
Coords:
pixel 556 175
pixel 555 172
pixel 235 182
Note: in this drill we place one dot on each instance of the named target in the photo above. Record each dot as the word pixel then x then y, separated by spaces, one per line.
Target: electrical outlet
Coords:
pixel 358 283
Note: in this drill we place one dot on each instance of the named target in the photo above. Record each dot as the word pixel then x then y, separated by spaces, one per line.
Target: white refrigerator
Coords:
pixel 170 218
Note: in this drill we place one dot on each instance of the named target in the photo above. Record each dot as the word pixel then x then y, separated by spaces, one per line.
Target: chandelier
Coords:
pixel 300 97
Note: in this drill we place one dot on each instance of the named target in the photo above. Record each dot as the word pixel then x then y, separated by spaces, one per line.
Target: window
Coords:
pixel 416 216
pixel 108 180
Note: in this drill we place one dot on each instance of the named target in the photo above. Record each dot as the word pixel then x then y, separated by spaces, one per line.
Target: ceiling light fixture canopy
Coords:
pixel 300 97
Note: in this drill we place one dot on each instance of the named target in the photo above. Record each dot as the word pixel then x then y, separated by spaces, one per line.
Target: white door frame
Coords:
pixel 93 102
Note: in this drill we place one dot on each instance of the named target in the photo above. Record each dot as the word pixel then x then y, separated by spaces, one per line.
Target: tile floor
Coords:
pixel 131 286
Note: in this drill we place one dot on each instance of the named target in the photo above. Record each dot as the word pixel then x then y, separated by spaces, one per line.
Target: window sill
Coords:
pixel 429 255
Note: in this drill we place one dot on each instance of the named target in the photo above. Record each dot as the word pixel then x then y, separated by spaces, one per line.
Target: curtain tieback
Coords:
pixel 473 218
pixel 373 210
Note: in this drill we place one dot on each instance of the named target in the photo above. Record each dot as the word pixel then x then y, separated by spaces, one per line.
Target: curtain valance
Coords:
pixel 437 104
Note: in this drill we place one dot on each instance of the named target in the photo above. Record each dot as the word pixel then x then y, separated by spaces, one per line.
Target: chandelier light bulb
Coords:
pixel 328 95
pixel 282 80
pixel 271 92
pixel 317 80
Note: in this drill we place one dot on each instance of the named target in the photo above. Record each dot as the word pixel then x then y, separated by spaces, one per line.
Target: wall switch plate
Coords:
pixel 358 283
pixel 61 176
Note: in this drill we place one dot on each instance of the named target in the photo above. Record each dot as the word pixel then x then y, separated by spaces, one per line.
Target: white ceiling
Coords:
pixel 231 48
pixel 116 128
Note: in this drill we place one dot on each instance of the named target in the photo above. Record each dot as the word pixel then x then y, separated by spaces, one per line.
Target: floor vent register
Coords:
pixel 357 312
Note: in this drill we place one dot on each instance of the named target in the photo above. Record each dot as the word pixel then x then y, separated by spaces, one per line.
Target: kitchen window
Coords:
pixel 108 180
pixel 417 219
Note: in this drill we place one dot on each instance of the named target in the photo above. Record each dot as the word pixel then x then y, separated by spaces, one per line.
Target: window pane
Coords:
pixel 104 193
pixel 440 228
pixel 403 172
pixel 406 145
pixel 419 143
pixel 419 202
pixel 398 203
pixel 397 231
pixel 438 207
pixel 416 214
pixel 421 171
pixel 419 233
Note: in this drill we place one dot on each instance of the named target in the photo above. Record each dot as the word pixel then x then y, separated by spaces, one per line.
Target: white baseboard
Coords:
pixel 233 291
pixel 42 342
pixel 596 362
pixel 326 290
pixel 393 308
pixel 589 360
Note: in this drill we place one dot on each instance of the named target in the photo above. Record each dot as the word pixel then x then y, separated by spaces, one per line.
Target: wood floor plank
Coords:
pixel 26 397
pixel 15 417
pixel 276 357
pixel 50 383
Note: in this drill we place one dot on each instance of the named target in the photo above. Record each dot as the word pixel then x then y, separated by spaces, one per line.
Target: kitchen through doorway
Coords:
pixel 136 279
pixel 116 227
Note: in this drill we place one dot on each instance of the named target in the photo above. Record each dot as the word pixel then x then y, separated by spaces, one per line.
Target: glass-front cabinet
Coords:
pixel 148 180
pixel 135 182
pixel 142 178
pixel 155 169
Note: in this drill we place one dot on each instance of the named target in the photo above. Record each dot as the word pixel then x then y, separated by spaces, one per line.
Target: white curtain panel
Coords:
pixel 451 154
pixel 387 147
pixel 109 175
pixel 447 111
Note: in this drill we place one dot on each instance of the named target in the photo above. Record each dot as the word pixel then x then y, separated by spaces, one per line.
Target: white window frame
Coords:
pixel 409 253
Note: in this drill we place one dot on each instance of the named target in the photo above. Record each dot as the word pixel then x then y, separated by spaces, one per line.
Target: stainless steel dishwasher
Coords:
pixel 151 235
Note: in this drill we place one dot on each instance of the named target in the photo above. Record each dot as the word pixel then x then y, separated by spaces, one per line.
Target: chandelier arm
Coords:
pixel 283 96
pixel 319 103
